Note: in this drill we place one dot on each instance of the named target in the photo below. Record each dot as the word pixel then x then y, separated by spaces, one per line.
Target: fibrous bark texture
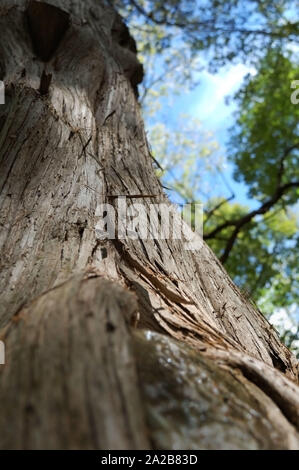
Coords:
pixel 78 372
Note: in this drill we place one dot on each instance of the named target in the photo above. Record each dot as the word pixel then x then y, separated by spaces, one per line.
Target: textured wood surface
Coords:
pixel 67 144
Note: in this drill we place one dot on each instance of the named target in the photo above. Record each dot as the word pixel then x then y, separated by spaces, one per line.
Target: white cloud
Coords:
pixel 214 89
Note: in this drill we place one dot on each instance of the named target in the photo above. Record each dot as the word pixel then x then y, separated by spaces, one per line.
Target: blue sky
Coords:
pixel 207 103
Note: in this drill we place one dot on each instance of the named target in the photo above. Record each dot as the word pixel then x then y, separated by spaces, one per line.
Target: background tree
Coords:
pixel 264 148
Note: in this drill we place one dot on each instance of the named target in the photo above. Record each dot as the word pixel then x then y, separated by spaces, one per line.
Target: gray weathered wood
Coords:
pixel 71 135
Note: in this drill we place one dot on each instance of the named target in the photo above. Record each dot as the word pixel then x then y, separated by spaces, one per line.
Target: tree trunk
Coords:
pixel 117 344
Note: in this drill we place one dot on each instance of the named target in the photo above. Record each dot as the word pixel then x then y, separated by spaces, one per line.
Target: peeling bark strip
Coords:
pixel 45 82
pixel 283 392
pixel 71 135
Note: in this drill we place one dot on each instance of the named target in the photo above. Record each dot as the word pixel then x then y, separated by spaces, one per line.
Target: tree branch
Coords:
pixel 248 217
pixel 280 190
pixel 205 24
pixel 212 211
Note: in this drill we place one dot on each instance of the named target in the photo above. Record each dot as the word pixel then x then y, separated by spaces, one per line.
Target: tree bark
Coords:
pixel 82 370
